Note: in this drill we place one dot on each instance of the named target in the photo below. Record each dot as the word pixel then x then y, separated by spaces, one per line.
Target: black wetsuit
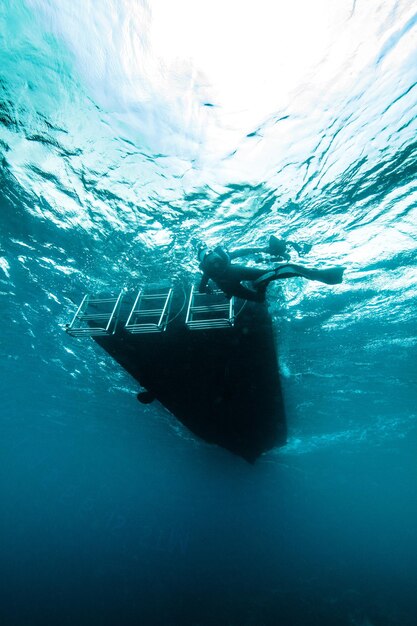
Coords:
pixel 229 276
pixel 217 265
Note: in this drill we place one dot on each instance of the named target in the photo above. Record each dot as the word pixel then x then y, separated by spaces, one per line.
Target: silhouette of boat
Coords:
pixel 210 361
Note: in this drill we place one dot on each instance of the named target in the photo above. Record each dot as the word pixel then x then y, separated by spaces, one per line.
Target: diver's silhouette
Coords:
pixel 217 266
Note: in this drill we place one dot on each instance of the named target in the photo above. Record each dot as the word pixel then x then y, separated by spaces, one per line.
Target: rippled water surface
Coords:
pixel 129 129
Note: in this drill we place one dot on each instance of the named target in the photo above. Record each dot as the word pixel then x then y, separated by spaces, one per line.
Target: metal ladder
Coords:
pixel 96 316
pixel 209 310
pixel 150 311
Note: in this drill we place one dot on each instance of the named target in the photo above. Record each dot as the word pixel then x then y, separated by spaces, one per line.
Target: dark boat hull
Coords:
pixel 223 384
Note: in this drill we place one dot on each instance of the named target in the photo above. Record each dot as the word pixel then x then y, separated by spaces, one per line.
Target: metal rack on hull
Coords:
pixel 209 360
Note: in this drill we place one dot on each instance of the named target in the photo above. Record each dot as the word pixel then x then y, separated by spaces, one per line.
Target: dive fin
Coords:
pixel 330 276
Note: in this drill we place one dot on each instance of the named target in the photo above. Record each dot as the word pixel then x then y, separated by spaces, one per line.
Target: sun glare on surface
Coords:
pixel 251 55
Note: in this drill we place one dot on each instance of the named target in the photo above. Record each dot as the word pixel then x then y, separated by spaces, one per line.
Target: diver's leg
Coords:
pixel 236 273
pixel 246 293
pixel 232 287
pixel 330 276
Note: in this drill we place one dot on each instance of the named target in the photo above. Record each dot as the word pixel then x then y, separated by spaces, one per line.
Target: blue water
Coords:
pixel 126 130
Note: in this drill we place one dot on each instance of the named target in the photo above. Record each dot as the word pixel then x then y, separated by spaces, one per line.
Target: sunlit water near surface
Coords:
pixel 126 130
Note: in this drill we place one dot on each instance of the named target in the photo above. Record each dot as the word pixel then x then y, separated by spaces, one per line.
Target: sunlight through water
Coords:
pixel 129 131
pixel 132 128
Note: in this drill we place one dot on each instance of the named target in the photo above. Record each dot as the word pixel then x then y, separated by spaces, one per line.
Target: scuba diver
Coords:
pixel 217 266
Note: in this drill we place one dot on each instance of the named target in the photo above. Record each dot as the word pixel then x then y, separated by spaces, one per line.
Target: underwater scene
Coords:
pixel 131 133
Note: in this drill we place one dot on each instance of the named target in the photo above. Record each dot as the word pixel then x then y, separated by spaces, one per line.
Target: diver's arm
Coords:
pixel 241 252
pixel 203 287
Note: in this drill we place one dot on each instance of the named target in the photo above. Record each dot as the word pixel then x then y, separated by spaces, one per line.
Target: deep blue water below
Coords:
pixel 127 130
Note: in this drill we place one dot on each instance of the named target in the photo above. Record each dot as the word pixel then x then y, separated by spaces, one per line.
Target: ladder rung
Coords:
pixel 207 310
pixel 147 312
pixel 108 319
pixel 94 316
pixel 212 324
pixel 210 308
pixel 90 332
pixel 135 329
pixel 150 296
pixel 161 312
